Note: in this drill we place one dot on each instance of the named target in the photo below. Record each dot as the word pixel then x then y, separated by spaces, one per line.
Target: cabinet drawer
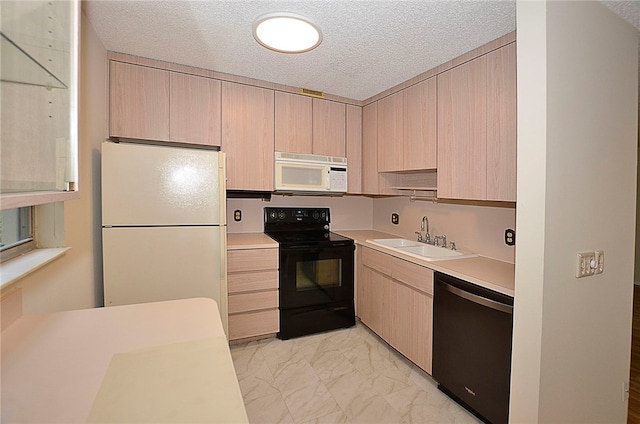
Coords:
pixel 376 260
pixel 251 281
pixel 253 324
pixel 252 260
pixel 255 301
pixel 414 275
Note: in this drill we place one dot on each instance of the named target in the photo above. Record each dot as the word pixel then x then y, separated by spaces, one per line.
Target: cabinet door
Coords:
pixel 501 124
pixel 248 136
pixel 293 123
pixel 411 324
pixel 329 128
pixel 138 102
pixel 420 135
pixel 354 149
pixel 194 109
pixel 364 306
pixel 370 149
pixel 374 303
pixel 390 133
pixel 462 117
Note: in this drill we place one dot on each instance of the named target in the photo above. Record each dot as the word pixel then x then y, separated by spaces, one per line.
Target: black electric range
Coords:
pixel 316 271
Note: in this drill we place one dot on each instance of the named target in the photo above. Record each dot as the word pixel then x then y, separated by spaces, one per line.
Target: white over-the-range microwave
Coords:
pixel 303 173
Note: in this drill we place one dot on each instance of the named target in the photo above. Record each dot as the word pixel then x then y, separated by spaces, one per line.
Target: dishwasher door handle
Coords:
pixel 489 303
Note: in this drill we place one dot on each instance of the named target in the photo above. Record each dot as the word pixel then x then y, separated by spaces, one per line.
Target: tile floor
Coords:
pixel 345 376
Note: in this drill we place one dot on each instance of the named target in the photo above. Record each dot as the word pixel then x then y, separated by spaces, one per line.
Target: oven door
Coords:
pixel 315 275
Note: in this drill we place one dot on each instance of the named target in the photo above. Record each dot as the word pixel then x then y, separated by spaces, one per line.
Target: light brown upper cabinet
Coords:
pixel 370 183
pixel 154 104
pixel 502 124
pixel 138 102
pixel 407 129
pixel 329 128
pixel 195 110
pixel 293 126
pixel 420 131
pixel 354 149
pixel 248 136
pixel 476 128
pixel 308 125
pixel 391 132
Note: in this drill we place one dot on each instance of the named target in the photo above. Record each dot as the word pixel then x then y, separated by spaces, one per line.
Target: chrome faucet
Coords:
pixel 424 226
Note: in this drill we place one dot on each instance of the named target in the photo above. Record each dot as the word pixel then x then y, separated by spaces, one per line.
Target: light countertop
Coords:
pixel 238 241
pixel 486 272
pixel 133 363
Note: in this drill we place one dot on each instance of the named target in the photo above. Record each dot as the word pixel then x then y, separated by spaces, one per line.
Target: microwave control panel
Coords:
pixel 338 179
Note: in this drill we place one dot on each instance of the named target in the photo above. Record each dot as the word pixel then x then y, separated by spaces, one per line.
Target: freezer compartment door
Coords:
pixel 164 263
pixel 161 185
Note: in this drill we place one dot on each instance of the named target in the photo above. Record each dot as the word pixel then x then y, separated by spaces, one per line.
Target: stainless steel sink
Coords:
pixel 420 250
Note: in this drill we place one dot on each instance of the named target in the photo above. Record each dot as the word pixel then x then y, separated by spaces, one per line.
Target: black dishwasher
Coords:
pixel 472 330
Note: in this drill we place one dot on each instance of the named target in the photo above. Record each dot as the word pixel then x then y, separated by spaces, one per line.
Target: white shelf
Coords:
pixel 20 67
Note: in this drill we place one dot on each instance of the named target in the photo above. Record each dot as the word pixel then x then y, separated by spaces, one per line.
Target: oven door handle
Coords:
pixel 489 303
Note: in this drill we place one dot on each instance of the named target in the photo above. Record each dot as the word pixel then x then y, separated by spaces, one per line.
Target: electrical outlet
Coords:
pixel 237 215
pixel 395 218
pixel 510 237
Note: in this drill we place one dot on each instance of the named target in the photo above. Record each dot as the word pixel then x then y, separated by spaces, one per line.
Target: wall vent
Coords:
pixel 312 93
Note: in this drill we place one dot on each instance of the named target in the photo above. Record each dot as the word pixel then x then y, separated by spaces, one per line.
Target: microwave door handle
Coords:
pixel 328 183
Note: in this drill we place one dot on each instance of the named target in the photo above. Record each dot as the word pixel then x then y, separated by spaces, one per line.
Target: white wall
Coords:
pixel 577 149
pixel 637 260
pixel 478 229
pixel 74 281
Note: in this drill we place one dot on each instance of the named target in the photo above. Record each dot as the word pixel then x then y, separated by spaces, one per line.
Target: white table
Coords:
pixel 152 362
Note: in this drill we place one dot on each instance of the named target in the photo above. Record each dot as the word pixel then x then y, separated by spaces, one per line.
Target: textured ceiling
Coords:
pixel 368 46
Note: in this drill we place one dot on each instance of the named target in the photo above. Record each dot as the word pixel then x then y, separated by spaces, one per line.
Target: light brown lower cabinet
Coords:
pixel 252 281
pixel 395 300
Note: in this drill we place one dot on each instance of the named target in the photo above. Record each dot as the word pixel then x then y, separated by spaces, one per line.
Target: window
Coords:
pixel 38 130
pixel 16 232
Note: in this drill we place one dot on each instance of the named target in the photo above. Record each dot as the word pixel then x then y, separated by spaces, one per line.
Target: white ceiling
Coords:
pixel 368 45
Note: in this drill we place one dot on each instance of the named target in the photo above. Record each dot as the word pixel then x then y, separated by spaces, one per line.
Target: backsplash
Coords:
pixel 347 212
pixel 479 229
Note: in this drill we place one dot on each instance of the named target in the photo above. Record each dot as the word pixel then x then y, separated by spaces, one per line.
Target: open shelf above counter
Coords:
pixel 419 185
pixel 414 195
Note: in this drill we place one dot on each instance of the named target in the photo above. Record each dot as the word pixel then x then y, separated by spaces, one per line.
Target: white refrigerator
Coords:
pixel 163 224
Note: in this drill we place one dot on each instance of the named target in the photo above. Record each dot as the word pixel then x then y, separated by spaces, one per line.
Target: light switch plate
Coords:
pixel 599 261
pixel 586 264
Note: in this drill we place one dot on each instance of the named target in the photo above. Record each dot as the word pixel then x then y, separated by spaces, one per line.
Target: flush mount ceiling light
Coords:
pixel 286 32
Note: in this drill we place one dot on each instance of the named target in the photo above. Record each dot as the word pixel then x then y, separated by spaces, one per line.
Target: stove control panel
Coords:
pixel 300 216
